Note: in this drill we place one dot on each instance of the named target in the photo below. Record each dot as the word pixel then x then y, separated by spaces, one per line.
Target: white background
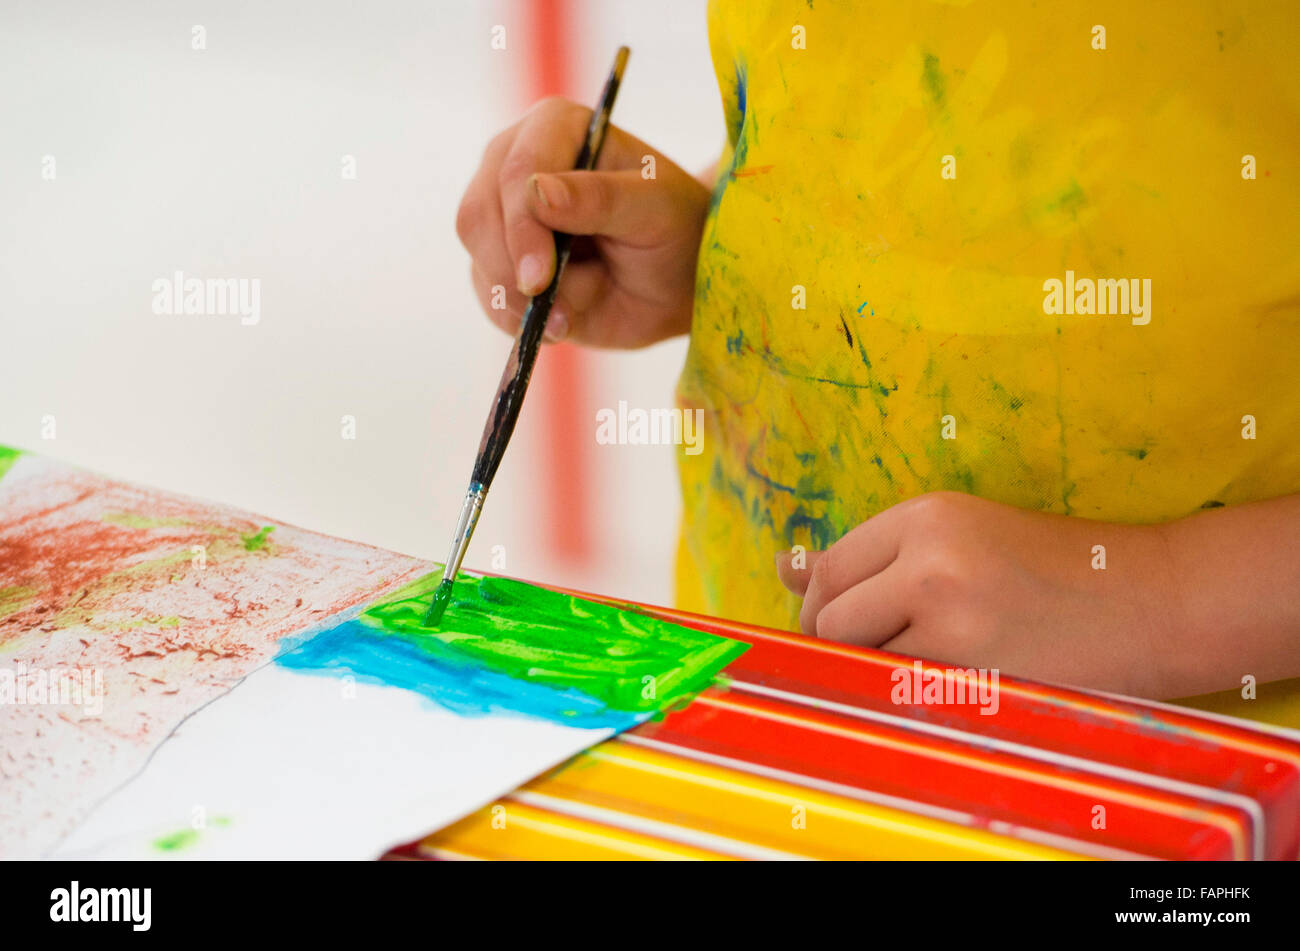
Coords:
pixel 226 163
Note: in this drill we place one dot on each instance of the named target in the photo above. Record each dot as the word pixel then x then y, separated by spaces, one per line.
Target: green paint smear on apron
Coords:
pixel 8 456
pixel 629 660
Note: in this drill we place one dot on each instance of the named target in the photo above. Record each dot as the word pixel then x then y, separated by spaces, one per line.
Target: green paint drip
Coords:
pixel 628 660
pixel 8 456
pixel 257 540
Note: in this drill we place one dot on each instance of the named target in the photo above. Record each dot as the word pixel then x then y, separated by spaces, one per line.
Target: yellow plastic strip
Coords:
pixel 700 797
pixel 514 830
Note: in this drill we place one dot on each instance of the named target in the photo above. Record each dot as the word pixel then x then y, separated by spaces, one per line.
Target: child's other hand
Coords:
pixel 974 583
pixel 631 282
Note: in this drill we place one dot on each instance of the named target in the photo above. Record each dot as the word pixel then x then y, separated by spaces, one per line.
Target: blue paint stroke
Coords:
pixel 374 656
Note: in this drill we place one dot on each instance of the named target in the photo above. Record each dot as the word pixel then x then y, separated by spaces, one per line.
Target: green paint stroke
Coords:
pixel 628 660
pixel 185 838
pixel 8 456
pixel 136 520
pixel 170 620
pixel 257 540
pixel 177 841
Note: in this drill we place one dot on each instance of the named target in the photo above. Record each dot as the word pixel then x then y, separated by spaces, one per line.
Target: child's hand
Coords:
pixel 632 282
pixel 974 583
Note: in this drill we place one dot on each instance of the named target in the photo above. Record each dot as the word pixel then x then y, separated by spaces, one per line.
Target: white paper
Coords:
pixel 294 765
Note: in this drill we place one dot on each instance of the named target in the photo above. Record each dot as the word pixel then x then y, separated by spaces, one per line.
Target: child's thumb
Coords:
pixel 616 204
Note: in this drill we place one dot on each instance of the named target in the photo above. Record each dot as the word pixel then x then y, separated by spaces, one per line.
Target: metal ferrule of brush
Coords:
pixel 469 513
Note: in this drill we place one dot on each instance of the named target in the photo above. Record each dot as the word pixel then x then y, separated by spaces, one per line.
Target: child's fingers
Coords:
pixel 867 614
pixel 616 204
pixel 548 140
pixel 491 294
pixel 865 551
pixel 796 579
pixel 911 641
pixel 637 286
pixel 619 204
pixel 480 225
pixel 578 302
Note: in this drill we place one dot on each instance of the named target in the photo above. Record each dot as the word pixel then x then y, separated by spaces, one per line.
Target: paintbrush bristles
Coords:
pixel 439 605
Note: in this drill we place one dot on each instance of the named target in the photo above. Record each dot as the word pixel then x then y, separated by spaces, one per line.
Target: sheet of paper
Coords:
pixel 184 679
pixel 291 765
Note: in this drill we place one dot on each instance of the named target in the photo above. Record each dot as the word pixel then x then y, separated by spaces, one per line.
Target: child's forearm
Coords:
pixel 1238 575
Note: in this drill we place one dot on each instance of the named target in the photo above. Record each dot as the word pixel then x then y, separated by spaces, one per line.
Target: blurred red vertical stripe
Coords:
pixel 560 380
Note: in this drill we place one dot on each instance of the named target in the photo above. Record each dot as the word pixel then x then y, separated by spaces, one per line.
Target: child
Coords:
pixel 995 321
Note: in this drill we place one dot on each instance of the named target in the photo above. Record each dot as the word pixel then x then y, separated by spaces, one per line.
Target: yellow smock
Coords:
pixel 900 185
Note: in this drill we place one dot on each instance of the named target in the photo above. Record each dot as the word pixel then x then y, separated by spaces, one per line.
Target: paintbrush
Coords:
pixel 514 381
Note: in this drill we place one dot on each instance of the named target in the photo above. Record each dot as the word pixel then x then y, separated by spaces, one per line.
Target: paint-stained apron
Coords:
pixel 900 185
